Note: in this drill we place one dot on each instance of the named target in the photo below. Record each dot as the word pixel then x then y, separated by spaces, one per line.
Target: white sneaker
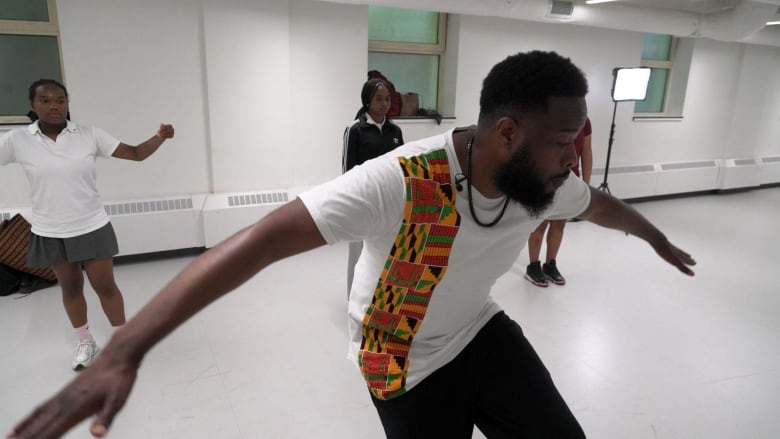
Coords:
pixel 85 353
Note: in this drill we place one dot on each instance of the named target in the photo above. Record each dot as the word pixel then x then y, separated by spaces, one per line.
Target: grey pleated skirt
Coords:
pixel 45 252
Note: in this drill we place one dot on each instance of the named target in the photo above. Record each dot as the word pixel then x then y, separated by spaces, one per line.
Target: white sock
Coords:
pixel 83 333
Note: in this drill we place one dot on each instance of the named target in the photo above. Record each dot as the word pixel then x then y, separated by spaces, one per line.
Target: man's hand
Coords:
pixel 607 211
pixel 103 388
pixel 675 256
pixel 100 390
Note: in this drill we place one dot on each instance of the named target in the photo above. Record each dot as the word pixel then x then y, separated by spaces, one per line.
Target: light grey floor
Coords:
pixel 637 349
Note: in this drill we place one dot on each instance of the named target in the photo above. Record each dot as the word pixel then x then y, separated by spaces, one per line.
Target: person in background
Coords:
pixel 370 135
pixel 535 272
pixel 439 356
pixel 71 232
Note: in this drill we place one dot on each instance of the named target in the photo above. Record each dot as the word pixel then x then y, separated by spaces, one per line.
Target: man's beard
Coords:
pixel 518 180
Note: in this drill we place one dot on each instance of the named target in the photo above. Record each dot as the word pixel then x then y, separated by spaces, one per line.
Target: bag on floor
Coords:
pixel 10 280
pixel 14 236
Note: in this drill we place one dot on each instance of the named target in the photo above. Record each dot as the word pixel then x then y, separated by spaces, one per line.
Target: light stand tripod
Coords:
pixel 604 186
pixel 628 84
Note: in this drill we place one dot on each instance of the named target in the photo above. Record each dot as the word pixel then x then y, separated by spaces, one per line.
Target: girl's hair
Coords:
pixel 367 94
pixel 40 82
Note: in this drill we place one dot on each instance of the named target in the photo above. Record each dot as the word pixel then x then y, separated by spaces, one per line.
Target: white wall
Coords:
pixel 128 67
pixel 763 83
pixel 485 41
pixel 329 46
pixel 247 47
pixel 707 115
pixel 259 91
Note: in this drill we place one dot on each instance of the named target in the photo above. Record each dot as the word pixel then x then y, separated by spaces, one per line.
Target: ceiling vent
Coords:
pixel 561 10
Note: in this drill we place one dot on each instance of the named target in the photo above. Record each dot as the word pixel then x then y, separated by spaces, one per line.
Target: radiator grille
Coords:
pixel 625 169
pixel 140 207
pixel 744 162
pixel 687 165
pixel 253 199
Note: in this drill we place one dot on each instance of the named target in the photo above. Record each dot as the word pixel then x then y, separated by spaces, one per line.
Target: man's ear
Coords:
pixel 510 133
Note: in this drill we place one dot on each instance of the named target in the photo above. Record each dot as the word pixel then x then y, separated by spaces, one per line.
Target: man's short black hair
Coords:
pixel 524 81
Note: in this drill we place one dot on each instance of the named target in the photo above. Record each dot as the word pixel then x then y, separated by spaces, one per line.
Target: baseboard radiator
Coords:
pixel 149 225
pixel 659 179
pixel 770 170
pixel 203 220
pixel 180 222
pixel 157 225
pixel 225 214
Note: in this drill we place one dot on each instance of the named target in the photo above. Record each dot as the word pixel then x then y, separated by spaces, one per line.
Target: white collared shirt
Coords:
pixel 371 120
pixel 63 186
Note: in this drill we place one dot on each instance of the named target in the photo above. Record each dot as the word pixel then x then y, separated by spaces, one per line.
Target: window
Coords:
pixel 657 53
pixel 669 58
pixel 408 47
pixel 29 50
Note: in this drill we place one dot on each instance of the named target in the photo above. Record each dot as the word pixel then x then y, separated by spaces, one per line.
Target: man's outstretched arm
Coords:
pixel 102 389
pixel 608 211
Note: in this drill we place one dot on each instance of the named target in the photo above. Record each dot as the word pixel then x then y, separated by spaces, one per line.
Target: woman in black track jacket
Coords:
pixel 370 135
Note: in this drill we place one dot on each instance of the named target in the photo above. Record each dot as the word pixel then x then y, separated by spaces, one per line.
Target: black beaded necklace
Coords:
pixel 471 203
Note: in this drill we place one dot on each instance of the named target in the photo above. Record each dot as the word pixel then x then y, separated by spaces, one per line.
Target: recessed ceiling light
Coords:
pixel 594 2
pixel 772 23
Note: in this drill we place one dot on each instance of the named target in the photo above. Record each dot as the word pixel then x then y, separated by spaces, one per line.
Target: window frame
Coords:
pixel 666 65
pixel 35 28
pixel 437 49
pixel 415 48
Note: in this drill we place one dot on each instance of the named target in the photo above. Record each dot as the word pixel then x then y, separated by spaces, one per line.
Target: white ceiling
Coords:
pixel 695 6
pixel 724 20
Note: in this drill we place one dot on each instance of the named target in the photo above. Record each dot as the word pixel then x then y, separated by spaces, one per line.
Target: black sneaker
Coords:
pixel 535 275
pixel 552 273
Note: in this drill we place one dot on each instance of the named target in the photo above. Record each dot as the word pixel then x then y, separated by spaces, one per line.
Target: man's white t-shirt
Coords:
pixel 434 308
pixel 65 200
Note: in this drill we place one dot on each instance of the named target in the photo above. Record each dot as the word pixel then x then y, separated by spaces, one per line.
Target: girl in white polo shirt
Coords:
pixel 71 231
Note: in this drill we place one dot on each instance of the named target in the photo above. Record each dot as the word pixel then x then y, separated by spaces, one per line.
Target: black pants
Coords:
pixel 497 383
